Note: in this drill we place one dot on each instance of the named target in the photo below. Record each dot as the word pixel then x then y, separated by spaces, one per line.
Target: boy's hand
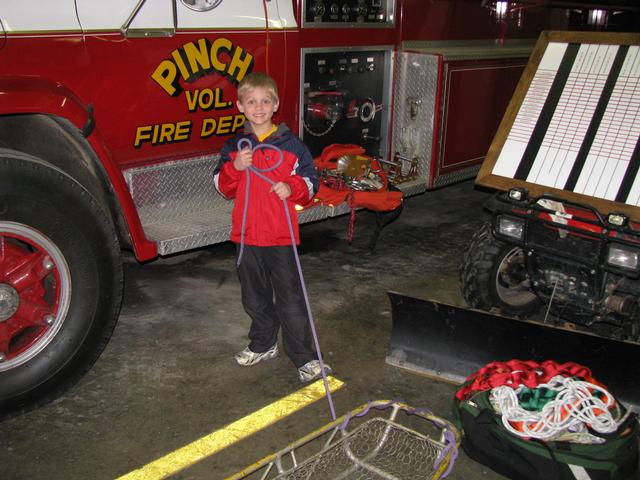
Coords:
pixel 281 189
pixel 244 158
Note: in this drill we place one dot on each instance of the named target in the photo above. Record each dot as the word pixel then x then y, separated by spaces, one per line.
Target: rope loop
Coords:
pixel 577 405
pixel 246 143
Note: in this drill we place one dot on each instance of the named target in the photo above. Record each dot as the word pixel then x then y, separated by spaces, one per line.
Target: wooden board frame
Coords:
pixel 485 176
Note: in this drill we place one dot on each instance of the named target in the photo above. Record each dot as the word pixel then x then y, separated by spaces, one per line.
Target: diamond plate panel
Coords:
pixel 180 208
pixel 413 114
pixel 312 214
pixel 412 188
pixel 173 189
pixel 191 231
pixel 456 177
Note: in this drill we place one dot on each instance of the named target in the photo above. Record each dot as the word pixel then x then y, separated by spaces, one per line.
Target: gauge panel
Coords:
pixel 352 13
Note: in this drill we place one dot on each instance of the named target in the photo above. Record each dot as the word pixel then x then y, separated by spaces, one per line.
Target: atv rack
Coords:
pixel 351 447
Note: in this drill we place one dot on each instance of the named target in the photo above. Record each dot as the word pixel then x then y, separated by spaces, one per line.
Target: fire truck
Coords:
pixel 112 115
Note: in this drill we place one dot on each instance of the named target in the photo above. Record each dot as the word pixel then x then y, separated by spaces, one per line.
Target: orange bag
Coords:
pixel 335 192
pixel 382 200
pixel 330 154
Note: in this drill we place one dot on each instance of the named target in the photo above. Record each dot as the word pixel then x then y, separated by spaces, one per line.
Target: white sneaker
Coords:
pixel 247 357
pixel 311 371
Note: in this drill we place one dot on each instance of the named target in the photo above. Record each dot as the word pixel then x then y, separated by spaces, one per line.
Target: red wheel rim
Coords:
pixel 35 291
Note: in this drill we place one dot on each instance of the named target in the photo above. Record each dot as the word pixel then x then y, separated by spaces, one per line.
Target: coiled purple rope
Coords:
pixel 260 173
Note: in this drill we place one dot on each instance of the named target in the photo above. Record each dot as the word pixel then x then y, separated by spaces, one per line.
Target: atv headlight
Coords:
pixel 518 194
pixel 624 257
pixel 618 219
pixel 511 227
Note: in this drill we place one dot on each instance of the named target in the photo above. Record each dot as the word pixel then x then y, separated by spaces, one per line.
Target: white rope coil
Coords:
pixel 574 407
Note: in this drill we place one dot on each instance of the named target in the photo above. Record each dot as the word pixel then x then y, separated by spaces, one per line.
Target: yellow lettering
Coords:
pixel 183 129
pixel 206 99
pixel 238 121
pixel 219 44
pixel 219 102
pixel 177 58
pixel 239 63
pixel 208 127
pixel 166 131
pixel 166 76
pixel 192 100
pixel 224 125
pixel 221 126
pixel 194 59
pixel 163 133
pixel 198 57
pixel 142 134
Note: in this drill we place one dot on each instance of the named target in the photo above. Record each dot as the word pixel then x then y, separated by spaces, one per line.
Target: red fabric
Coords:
pixel 382 200
pixel 329 196
pixel 514 373
pixel 266 223
pixel 331 153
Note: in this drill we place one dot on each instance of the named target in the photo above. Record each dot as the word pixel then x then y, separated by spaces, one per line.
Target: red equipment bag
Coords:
pixel 334 190
pixel 609 456
pixel 382 200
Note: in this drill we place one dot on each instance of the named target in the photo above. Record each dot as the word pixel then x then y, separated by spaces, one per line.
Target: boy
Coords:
pixel 271 292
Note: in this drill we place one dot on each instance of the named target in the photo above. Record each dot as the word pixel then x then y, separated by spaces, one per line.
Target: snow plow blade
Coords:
pixel 451 343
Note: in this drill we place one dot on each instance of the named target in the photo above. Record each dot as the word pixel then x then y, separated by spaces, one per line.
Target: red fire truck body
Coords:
pixel 112 114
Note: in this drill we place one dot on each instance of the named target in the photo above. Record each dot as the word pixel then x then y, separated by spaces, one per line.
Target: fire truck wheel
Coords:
pixel 493 275
pixel 60 281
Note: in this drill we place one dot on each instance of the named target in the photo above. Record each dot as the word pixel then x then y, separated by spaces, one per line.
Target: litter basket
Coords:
pixel 364 444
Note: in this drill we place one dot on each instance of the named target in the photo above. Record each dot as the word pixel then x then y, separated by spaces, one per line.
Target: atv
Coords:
pixel 556 261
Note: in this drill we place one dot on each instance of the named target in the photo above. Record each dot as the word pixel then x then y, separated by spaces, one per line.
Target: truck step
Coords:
pixel 178 205
pixel 180 208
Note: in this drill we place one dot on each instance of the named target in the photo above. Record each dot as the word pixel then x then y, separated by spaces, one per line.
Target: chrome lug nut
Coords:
pixel 47 263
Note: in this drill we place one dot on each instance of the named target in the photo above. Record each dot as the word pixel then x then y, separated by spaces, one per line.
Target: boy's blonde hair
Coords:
pixel 258 79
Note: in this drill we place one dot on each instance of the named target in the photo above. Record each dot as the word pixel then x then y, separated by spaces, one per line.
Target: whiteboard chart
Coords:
pixel 575 125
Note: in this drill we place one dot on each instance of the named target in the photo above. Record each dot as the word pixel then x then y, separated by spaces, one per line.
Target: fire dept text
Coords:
pixel 172 132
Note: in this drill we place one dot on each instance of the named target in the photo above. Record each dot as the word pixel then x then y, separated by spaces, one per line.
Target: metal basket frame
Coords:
pixel 278 465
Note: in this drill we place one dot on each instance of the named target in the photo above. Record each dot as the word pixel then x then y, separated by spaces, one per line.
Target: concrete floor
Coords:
pixel 168 377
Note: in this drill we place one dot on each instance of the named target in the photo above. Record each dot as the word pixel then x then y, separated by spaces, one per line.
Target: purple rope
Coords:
pixel 259 172
pixel 450 446
pixel 348 416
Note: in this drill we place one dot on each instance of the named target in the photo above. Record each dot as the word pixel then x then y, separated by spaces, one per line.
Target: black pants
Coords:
pixel 272 296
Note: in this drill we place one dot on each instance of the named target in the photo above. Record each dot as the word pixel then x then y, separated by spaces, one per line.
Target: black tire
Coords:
pixel 493 276
pixel 55 229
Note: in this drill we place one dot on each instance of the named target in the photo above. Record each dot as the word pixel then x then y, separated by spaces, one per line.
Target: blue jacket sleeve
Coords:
pixel 306 168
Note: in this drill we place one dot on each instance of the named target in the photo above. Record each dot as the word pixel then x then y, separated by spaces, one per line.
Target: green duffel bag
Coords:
pixel 487 441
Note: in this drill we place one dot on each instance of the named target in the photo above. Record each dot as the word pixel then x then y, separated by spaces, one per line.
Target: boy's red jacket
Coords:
pixel 266 223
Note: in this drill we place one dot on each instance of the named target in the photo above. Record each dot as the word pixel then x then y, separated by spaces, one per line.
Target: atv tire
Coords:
pixel 60 281
pixel 493 276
